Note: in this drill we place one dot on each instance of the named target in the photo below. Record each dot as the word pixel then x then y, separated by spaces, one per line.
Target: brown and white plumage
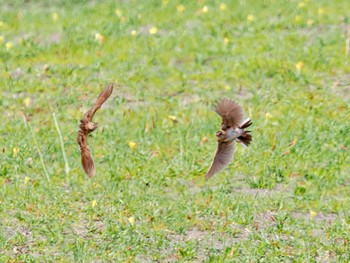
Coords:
pixel 87 126
pixel 232 128
pixel 230 112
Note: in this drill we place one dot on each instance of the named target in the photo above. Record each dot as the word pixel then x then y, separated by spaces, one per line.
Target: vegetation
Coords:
pixel 285 198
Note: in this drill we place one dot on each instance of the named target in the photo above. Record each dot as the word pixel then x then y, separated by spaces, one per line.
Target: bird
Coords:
pixel 86 126
pixel 232 129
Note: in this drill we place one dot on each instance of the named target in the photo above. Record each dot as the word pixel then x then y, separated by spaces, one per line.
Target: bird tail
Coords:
pixel 246 137
pixel 246 124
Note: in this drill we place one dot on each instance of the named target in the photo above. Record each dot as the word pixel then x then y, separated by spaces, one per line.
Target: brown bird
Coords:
pixel 232 129
pixel 86 126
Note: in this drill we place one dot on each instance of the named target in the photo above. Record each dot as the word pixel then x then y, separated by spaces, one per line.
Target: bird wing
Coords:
pixel 87 162
pixel 104 95
pixel 86 158
pixel 230 112
pixel 223 157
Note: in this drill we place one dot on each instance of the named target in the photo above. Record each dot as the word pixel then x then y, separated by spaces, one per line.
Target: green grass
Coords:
pixel 274 203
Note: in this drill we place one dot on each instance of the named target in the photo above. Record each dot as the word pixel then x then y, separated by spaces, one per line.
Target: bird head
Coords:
pixel 88 126
pixel 228 135
pixel 91 126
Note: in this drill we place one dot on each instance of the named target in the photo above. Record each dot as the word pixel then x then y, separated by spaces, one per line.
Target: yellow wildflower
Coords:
pixel 299 66
pixel 9 45
pixel 180 8
pixel 131 220
pixel 321 11
pixel 133 32
pixel 301 5
pixel 153 30
pixel 226 40
pixel 100 38
pixel 132 145
pixel 55 17
pixel 15 151
pixel 26 101
pixel 93 203
pixel 172 117
pixel 250 18
pixel 268 115
pixel 222 6
pixel 298 19
pixel 205 9
pixel 118 12
pixel 313 214
pixel 26 179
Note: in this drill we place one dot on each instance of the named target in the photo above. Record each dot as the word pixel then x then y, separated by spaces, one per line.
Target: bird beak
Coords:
pixel 219 134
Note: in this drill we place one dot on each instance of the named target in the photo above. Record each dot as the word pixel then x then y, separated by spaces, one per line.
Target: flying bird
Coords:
pixel 232 129
pixel 87 126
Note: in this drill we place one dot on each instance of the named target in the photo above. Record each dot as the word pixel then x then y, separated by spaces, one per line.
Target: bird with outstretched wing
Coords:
pixel 87 126
pixel 232 129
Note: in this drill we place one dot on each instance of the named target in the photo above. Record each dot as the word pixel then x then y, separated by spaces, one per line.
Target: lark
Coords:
pixel 87 126
pixel 232 130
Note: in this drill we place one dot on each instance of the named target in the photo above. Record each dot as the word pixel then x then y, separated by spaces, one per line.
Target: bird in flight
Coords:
pixel 87 126
pixel 232 129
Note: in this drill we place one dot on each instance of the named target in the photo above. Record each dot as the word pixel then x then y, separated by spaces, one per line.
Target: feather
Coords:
pixel 87 162
pixel 230 112
pixel 223 157
pixel 104 95
pixel 245 138
pixel 246 124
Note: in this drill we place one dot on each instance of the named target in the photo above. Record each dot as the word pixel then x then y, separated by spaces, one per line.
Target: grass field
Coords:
pixel 284 199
